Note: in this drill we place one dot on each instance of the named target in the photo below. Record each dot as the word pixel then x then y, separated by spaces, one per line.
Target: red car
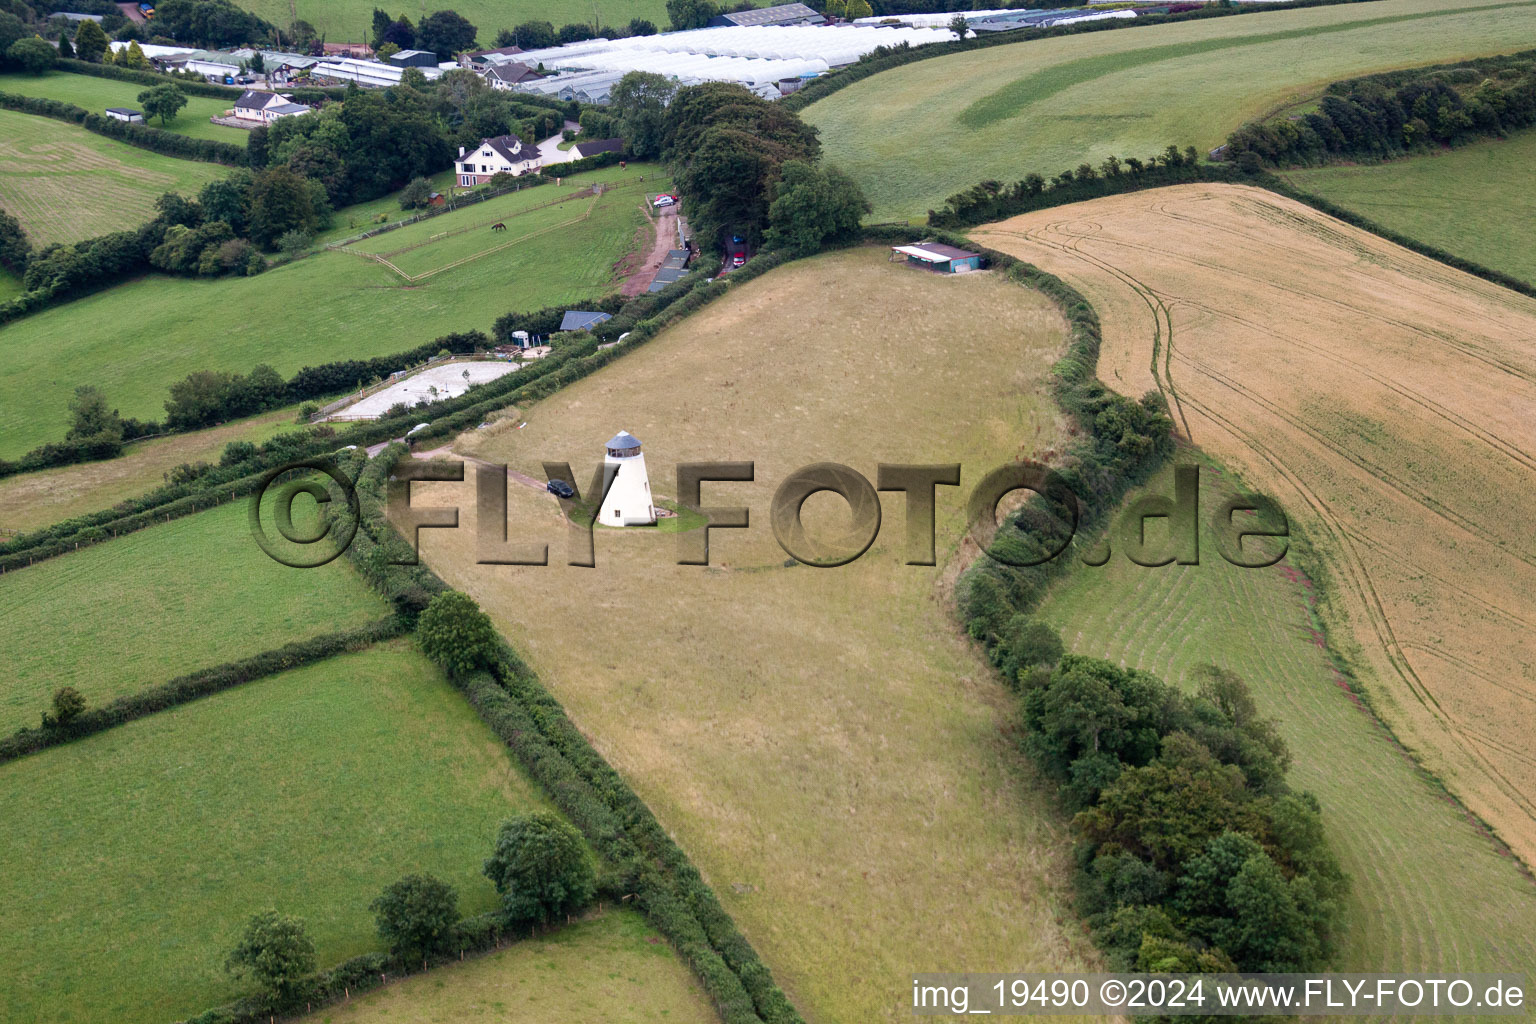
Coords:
pixel 738 260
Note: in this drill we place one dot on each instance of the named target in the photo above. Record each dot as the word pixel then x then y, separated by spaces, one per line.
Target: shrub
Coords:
pixel 456 634
pixel 417 916
pixel 68 705
pixel 541 869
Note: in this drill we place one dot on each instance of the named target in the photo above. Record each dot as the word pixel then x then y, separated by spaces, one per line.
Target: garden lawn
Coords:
pixel 612 967
pixel 1049 105
pixel 97 94
pixel 1475 202
pixel 134 857
pixel 135 340
pixel 64 183
pixel 141 609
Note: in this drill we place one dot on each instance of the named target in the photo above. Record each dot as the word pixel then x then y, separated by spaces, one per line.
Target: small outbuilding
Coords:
pixel 946 259
pixel 413 59
pixel 125 114
pixel 582 319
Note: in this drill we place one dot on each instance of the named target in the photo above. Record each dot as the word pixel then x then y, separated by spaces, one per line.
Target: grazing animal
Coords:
pixel 498 227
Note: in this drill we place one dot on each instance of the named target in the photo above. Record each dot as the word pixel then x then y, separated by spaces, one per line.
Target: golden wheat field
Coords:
pixel 1387 401
pixel 825 744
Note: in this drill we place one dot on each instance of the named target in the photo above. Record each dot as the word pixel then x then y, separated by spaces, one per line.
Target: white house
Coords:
pixel 125 114
pixel 628 501
pixel 266 107
pixel 505 154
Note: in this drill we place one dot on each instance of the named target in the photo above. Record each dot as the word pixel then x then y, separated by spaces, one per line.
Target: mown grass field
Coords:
pixel 823 742
pixel 1474 201
pixel 1050 105
pixel 34 500
pixel 613 968
pixel 97 94
pixel 144 608
pixel 133 857
pixel 1386 400
pixel 359 217
pixel 352 20
pixel 64 183
pixel 1429 892
pixel 135 340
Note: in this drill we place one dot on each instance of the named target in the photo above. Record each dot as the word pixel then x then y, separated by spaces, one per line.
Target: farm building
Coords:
pixel 479 60
pixel 783 14
pixel 266 106
pixel 597 146
pixel 582 319
pixel 413 59
pixel 672 269
pixel 124 114
pixel 214 71
pixel 359 51
pixel 369 74
pixel 505 154
pixel 945 259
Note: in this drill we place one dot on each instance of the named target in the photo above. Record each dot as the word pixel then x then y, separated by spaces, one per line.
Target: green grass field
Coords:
pixel 64 183
pixel 350 220
pixel 1475 201
pixel 96 94
pixel 613 968
pixel 1429 891
pixel 1052 104
pixel 136 339
pixel 351 20
pixel 33 500
pixel 133 857
pixel 141 609
pixel 10 286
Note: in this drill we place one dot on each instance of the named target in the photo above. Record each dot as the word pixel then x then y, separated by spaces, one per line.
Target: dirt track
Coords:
pixel 1387 401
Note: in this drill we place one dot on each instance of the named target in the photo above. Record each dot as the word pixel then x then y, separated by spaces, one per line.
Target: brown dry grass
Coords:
pixel 1387 401
pixel 823 743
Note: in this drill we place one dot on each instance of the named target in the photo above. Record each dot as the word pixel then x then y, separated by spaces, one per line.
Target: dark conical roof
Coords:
pixel 623 439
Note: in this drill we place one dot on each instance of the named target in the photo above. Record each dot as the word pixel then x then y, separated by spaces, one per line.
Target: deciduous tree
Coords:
pixel 276 952
pixel 416 916
pixel 541 869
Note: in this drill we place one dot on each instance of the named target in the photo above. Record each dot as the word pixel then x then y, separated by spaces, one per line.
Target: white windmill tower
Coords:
pixel 628 502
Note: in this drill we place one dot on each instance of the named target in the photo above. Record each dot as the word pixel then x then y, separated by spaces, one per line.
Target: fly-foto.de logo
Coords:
pixel 1249 531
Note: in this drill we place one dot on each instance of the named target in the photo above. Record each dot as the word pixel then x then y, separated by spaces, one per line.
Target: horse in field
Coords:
pixel 498 226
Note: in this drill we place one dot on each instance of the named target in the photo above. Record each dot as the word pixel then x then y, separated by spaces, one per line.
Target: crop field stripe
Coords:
pixel 474 227
pixel 1011 98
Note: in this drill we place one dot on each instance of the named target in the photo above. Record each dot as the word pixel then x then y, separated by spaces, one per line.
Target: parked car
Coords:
pixel 560 489
pixel 663 200
pixel 738 260
pixel 737 240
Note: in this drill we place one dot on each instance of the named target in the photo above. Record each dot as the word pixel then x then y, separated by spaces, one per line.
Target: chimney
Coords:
pixel 461 152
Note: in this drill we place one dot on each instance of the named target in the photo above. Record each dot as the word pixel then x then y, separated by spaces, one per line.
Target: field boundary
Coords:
pixel 199 684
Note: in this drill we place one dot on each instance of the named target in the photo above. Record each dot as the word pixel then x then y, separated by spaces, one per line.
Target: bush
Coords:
pixel 457 635
pixel 276 952
pixel 540 868
pixel 417 916
pixel 68 705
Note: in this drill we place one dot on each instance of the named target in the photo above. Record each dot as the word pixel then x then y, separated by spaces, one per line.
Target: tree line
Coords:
pixel 1387 116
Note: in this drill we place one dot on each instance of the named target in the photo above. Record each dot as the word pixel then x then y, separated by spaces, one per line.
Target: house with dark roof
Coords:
pixel 505 76
pixel 265 107
pixel 125 114
pixel 505 154
pixel 597 146
pixel 478 60
pixel 946 259
pixel 783 14
pixel 582 319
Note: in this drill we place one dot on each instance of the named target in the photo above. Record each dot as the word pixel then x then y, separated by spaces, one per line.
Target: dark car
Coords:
pixel 560 489
pixel 737 239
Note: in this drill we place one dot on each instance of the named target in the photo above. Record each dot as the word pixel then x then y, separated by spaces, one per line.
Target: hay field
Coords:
pixel 144 608
pixel 1429 891
pixel 351 20
pixel 612 967
pixel 1386 401
pixel 65 184
pixel 97 94
pixel 33 500
pixel 1052 104
pixel 1474 201
pixel 136 339
pixel 827 747
pixel 133 857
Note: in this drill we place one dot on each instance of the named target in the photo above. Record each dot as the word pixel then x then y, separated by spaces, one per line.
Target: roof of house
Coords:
pixel 254 99
pixel 512 149
pixel 500 51
pixel 622 440
pixel 933 252
pixel 781 15
pixel 581 319
pixel 289 108
pixel 597 146
pixel 125 110
pixel 511 73
pixel 407 54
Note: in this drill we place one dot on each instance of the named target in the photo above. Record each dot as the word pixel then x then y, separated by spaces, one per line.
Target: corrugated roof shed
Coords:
pixel 582 319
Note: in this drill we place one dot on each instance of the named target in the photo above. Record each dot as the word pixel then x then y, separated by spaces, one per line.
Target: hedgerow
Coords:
pixel 144 136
